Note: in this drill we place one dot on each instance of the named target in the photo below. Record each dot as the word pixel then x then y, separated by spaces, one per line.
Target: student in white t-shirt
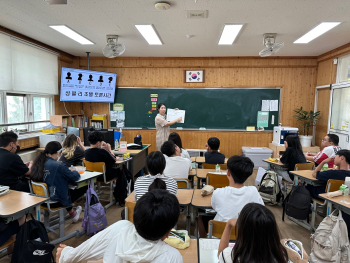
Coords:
pixel 257 238
pixel 176 166
pixel 229 201
pixel 177 140
pixel 330 148
pixel 155 214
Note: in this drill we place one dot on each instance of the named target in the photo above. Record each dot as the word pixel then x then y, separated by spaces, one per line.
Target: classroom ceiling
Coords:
pixel 94 19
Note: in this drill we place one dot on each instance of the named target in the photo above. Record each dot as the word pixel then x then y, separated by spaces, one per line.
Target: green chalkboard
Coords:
pixel 211 108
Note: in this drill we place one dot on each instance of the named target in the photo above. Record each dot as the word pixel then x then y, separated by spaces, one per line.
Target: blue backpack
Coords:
pixel 95 218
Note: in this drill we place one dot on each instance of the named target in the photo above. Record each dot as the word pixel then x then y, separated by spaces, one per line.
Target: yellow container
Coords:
pixel 51 130
pixel 99 117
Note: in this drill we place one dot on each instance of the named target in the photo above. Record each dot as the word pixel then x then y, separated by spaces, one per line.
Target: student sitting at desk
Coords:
pixel 56 175
pixel 101 152
pixel 330 147
pixel 177 140
pixel 73 151
pixel 229 201
pixel 342 161
pixel 155 214
pixel 176 166
pixel 12 168
pixel 155 163
pixel 212 156
pixel 293 155
pixel 258 238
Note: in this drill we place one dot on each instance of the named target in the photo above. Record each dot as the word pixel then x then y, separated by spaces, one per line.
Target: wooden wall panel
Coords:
pixel 323 106
pixel 297 76
pixel 230 142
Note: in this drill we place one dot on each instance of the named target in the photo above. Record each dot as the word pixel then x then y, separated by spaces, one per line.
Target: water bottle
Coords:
pixel 294 247
pixel 217 168
pixel 325 167
pixel 116 145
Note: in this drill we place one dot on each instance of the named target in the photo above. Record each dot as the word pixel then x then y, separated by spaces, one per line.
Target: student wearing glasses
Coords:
pixel 176 166
pixel 330 148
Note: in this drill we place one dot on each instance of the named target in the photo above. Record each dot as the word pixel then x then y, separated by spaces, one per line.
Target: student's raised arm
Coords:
pixel 225 238
pixel 319 167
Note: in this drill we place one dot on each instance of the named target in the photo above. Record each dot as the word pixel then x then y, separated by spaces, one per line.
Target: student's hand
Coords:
pixel 78 140
pixel 29 164
pixel 72 168
pixel 179 119
pixel 59 251
pixel 176 109
pixel 108 146
pixel 103 145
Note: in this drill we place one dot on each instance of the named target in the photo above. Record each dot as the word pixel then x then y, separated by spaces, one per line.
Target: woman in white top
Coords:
pixel 162 125
pixel 257 238
pixel 177 140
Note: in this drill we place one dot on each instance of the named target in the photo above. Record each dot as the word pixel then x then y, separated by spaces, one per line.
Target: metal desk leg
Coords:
pixel 37 208
pixel 188 219
pixel 329 208
pixel 296 179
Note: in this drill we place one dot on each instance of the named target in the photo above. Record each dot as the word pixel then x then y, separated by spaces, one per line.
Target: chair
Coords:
pixel 40 189
pixel 182 183
pixel 216 228
pixel 8 243
pixel 129 211
pixel 298 167
pixel 100 167
pixel 217 180
pixel 212 166
pixel 304 166
pixel 332 185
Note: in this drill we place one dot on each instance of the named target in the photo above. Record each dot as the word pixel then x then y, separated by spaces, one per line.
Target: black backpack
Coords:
pixel 27 249
pixel 125 183
pixel 297 203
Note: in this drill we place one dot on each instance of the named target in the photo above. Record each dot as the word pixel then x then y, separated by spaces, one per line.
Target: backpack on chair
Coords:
pixel 297 203
pixel 269 188
pixel 330 242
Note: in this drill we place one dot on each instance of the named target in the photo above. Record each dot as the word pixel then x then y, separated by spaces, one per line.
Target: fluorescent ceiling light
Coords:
pixel 72 34
pixel 229 34
pixel 316 32
pixel 148 32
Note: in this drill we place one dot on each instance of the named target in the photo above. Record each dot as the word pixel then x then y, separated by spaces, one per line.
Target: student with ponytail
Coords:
pixel 56 175
pixel 155 180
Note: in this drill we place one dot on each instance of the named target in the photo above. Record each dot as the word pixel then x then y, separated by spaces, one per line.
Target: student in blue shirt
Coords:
pixel 56 175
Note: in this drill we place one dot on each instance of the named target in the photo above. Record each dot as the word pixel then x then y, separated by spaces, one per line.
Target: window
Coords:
pixel 343 69
pixel 41 111
pixel 16 111
pixel 19 108
pixel 340 116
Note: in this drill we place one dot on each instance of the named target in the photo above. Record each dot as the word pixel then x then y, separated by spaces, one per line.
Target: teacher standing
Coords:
pixel 162 125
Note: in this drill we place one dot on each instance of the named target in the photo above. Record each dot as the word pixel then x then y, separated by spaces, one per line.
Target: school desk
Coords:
pixel 337 203
pixel 138 161
pixel 202 174
pixel 189 255
pixel 86 178
pixel 201 159
pixel 208 250
pixel 276 165
pixel 16 204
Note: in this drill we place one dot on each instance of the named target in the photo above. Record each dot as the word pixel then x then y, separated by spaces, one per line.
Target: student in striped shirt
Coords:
pixel 156 164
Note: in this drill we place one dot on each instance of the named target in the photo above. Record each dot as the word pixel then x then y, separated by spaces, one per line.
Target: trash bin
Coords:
pixel 257 154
